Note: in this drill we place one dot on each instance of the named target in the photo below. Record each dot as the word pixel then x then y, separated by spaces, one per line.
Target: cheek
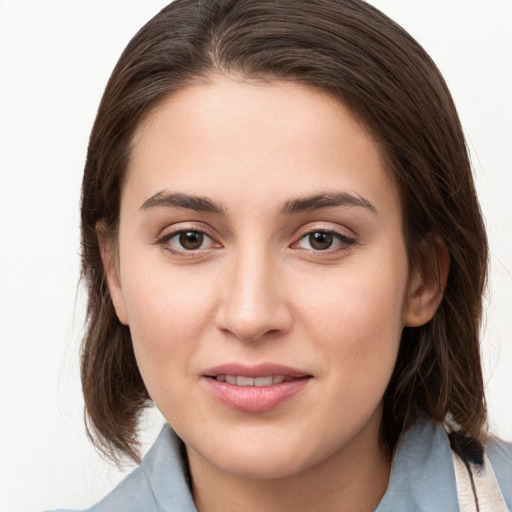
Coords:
pixel 162 300
pixel 359 299
pixel 356 318
pixel 169 311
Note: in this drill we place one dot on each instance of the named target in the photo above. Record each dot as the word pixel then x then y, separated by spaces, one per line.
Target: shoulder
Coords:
pixel 133 493
pixel 423 461
pixel 159 484
pixel 500 455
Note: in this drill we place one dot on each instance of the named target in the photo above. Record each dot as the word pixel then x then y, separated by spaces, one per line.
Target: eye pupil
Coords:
pixel 321 240
pixel 191 240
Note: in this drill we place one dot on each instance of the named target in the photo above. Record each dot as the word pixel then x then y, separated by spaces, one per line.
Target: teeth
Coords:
pixel 241 380
pixel 264 381
pixel 244 381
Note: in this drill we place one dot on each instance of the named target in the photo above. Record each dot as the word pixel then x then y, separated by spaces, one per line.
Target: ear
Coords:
pixel 108 251
pixel 427 283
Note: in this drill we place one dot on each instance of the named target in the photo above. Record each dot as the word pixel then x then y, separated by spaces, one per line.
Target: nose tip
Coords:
pixel 253 324
pixel 254 306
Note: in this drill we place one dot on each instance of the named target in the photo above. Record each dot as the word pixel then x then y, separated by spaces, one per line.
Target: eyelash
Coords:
pixel 165 242
pixel 344 242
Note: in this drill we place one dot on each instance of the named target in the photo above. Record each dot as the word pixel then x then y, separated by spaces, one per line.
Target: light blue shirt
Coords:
pixel 422 476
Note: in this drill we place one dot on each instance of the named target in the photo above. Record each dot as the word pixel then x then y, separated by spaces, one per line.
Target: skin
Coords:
pixel 257 290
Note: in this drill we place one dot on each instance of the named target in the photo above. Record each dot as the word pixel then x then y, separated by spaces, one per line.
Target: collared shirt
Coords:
pixel 422 476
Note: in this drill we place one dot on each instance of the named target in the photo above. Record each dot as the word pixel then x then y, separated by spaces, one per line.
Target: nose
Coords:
pixel 253 304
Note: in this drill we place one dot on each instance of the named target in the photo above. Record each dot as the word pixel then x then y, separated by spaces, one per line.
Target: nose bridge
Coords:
pixel 252 304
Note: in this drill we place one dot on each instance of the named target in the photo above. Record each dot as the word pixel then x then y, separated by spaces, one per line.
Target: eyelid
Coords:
pixel 328 227
pixel 169 232
pixel 346 237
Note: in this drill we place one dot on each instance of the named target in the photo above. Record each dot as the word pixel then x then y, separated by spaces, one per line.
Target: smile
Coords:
pixel 254 388
pixel 242 380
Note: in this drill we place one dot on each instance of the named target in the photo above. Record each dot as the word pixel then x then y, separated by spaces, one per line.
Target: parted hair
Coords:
pixel 356 53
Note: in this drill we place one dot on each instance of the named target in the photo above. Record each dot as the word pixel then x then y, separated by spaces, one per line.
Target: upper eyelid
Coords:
pixel 347 240
pixel 169 231
pixel 329 227
pixel 187 226
pixel 172 234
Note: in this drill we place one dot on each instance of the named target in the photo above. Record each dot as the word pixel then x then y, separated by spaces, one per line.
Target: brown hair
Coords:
pixel 355 52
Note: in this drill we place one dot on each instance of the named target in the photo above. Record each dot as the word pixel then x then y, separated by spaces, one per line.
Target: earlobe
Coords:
pixel 111 269
pixel 427 284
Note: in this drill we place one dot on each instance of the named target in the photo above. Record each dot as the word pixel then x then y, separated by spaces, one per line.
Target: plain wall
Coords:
pixel 55 58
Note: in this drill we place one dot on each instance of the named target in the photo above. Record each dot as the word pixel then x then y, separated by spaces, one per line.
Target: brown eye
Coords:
pixel 329 241
pixel 320 240
pixel 188 242
pixel 191 240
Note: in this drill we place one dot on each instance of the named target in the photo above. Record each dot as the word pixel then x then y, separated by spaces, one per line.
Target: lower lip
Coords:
pixel 255 398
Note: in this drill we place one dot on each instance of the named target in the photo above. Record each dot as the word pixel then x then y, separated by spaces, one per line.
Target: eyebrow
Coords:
pixel 290 207
pixel 325 200
pixel 179 200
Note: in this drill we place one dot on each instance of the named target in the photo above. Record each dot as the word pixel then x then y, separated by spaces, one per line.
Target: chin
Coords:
pixel 265 456
pixel 264 465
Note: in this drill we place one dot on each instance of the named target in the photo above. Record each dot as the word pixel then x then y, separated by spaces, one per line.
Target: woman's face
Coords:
pixel 263 274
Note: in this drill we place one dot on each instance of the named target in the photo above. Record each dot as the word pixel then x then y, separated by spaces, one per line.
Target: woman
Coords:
pixel 285 254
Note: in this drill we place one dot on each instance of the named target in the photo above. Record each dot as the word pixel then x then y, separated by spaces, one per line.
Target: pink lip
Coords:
pixel 259 370
pixel 254 398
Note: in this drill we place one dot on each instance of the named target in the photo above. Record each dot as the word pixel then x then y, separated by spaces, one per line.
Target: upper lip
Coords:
pixel 259 370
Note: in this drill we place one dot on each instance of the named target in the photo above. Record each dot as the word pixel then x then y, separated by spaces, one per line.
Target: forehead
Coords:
pixel 267 137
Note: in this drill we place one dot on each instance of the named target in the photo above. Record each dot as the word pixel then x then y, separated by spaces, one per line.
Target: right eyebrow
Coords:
pixel 179 200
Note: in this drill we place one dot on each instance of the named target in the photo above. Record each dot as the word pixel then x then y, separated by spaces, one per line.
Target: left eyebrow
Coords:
pixel 325 200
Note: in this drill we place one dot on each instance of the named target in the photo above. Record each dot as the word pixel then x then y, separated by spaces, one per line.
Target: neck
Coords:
pixel 353 479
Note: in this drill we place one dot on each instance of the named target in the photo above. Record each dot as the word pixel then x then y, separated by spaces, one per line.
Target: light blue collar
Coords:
pixel 422 476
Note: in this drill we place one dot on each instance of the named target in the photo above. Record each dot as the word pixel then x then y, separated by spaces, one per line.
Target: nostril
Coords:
pixel 251 308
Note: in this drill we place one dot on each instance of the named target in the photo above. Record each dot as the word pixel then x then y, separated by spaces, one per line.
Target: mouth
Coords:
pixel 242 380
pixel 255 388
pixel 231 371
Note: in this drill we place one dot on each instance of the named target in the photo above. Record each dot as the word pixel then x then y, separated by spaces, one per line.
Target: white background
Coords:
pixel 55 58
